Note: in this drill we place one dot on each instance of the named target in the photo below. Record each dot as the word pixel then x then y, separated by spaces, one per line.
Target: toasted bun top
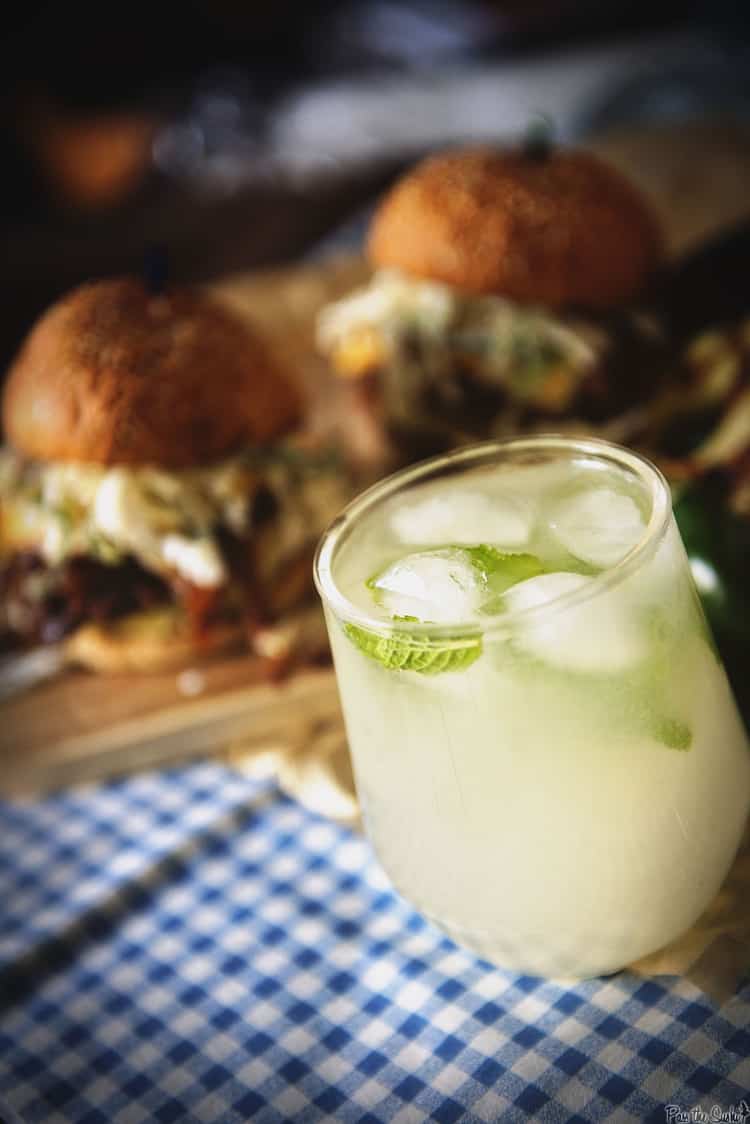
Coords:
pixel 112 374
pixel 560 229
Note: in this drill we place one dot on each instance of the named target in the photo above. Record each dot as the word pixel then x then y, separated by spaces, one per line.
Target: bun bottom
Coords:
pixel 157 640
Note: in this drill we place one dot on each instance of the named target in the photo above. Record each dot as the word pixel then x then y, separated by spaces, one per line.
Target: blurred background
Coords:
pixel 231 135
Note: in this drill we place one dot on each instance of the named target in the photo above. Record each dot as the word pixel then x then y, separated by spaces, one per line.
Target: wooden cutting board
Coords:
pixel 81 726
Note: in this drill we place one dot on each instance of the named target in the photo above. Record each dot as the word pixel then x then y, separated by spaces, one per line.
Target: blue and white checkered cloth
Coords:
pixel 191 946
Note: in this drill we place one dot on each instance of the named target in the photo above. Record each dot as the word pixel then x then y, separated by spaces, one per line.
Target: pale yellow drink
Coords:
pixel 549 759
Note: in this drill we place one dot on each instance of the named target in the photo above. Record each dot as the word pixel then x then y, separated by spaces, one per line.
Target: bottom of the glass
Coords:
pixel 538 960
pixel 537 956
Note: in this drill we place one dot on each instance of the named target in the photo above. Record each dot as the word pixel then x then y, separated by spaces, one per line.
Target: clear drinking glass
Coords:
pixel 550 762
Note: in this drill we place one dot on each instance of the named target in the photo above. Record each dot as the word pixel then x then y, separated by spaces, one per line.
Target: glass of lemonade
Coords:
pixel 548 756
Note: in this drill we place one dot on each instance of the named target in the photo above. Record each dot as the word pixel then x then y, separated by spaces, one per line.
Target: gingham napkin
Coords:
pixel 194 946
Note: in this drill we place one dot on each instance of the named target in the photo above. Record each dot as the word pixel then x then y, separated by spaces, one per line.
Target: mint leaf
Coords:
pixel 493 572
pixel 501 570
pixel 656 676
pixel 486 559
pixel 498 570
pixel 415 653
pixel 671 732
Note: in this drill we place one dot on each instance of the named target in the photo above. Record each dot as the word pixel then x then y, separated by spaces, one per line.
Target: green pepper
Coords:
pixel 718 546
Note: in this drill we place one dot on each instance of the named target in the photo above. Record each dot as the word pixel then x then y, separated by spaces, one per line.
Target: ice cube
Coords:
pixel 599 633
pixel 465 518
pixel 597 525
pixel 434 585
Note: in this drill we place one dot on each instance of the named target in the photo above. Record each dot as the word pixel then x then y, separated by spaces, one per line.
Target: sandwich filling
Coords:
pixel 468 365
pixel 81 542
pixel 434 336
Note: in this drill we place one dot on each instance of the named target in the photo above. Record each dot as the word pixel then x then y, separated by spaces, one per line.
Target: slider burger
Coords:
pixel 495 275
pixel 149 510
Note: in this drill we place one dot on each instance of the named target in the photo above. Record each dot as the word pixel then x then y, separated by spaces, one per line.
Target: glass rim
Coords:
pixel 466 457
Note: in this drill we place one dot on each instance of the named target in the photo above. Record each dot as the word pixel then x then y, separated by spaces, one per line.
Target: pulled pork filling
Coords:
pixel 41 604
pixel 84 543
pixel 473 365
